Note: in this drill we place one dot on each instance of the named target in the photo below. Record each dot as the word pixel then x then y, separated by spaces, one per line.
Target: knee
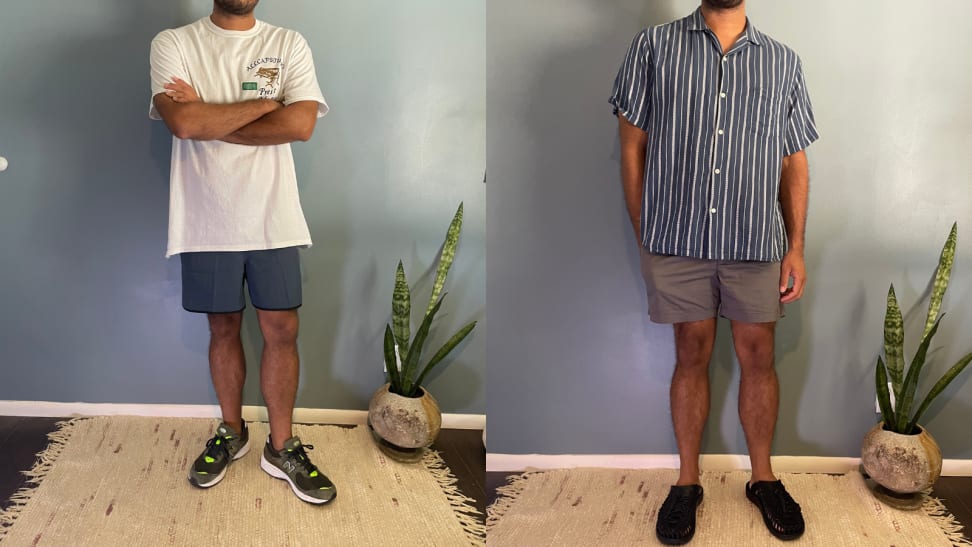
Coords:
pixel 693 355
pixel 279 328
pixel 755 357
pixel 224 326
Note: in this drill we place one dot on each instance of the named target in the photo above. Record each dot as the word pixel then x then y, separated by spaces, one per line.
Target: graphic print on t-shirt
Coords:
pixel 266 72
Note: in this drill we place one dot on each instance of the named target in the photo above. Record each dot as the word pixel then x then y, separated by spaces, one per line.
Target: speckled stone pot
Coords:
pixel 901 463
pixel 404 422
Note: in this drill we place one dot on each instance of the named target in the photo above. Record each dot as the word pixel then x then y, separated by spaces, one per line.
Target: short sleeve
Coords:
pixel 632 86
pixel 166 63
pixel 301 80
pixel 800 130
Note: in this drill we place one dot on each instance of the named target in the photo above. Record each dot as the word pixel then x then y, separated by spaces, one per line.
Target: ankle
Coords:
pixel 686 479
pixel 765 476
pixel 277 447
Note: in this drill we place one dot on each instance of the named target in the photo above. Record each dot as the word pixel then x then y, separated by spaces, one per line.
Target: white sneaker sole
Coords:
pixel 278 473
pixel 243 451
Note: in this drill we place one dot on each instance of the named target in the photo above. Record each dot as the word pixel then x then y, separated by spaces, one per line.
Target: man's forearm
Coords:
pixel 204 121
pixel 633 141
pixel 794 191
pixel 291 123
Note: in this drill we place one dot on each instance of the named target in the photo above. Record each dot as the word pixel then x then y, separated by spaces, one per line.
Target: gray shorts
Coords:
pixel 682 289
pixel 212 282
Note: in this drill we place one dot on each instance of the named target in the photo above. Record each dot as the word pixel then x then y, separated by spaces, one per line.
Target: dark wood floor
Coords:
pixel 955 493
pixel 22 438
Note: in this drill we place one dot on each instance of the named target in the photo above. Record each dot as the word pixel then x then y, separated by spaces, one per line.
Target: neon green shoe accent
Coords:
pixel 313 473
pixel 209 460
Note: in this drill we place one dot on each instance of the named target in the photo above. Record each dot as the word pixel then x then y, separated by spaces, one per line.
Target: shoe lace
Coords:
pixel 301 460
pixel 217 446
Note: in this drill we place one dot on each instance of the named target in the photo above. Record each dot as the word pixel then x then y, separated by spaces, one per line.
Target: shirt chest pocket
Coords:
pixel 763 112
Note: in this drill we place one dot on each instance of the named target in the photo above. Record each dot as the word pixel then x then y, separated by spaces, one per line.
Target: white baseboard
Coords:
pixel 251 413
pixel 709 462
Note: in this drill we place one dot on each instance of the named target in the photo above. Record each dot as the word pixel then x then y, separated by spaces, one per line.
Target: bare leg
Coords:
pixel 690 393
pixel 227 365
pixel 759 392
pixel 279 371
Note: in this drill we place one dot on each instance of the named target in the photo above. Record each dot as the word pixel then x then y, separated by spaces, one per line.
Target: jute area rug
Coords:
pixel 618 507
pixel 122 481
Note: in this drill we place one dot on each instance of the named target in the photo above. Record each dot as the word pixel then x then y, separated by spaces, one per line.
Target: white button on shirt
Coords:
pixel 712 210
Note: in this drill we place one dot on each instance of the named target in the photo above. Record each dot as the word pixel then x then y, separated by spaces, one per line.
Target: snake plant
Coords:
pixel 903 384
pixel 400 349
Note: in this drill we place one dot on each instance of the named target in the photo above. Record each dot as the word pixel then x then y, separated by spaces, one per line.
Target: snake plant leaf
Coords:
pixel 942 275
pixel 410 364
pixel 894 342
pixel 401 311
pixel 939 387
pixel 903 409
pixel 447 256
pixel 391 365
pixel 883 396
pixel 445 349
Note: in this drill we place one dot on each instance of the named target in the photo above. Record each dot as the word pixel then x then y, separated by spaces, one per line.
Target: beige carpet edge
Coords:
pixel 934 508
pixel 462 506
pixel 42 466
pixel 506 498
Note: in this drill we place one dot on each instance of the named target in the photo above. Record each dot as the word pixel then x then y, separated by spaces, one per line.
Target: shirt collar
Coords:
pixel 697 22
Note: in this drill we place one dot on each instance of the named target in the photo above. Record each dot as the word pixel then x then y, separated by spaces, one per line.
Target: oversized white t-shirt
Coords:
pixel 223 196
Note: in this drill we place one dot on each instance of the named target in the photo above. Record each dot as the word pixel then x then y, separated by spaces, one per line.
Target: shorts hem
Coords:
pixel 209 311
pixel 261 308
pixel 671 319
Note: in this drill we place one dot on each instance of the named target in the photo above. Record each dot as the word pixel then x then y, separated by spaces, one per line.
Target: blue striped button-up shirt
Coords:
pixel 718 128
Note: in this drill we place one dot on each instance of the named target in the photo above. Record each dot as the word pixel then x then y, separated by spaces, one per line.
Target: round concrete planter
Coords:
pixel 404 426
pixel 903 464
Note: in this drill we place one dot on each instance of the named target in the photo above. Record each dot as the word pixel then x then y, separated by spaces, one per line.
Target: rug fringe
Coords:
pixel 462 506
pixel 506 497
pixel 42 466
pixel 934 508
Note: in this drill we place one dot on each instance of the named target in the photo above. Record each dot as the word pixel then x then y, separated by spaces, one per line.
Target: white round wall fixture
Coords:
pixel 3 163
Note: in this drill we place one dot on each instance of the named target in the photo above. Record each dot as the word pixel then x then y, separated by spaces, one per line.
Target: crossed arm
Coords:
pixel 256 122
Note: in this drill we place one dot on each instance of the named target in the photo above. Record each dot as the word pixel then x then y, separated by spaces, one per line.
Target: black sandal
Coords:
pixel 781 514
pixel 676 517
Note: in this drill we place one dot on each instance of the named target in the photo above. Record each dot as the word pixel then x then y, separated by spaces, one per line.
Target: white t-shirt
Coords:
pixel 231 197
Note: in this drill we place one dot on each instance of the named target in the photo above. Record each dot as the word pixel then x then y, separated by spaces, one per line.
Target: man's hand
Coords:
pixel 792 268
pixel 181 92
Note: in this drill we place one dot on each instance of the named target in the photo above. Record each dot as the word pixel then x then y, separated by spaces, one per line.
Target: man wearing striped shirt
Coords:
pixel 714 119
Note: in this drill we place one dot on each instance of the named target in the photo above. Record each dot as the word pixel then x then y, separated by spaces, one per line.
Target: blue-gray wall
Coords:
pixel 574 364
pixel 90 308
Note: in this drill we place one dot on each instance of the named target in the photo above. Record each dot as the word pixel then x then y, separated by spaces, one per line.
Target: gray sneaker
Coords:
pixel 292 465
pixel 225 447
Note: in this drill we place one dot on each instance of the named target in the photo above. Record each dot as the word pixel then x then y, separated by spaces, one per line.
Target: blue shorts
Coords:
pixel 212 282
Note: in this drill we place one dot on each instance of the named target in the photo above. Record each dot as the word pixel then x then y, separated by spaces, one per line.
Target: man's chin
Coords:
pixel 722 4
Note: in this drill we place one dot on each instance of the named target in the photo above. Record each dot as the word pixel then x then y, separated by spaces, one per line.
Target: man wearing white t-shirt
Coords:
pixel 235 92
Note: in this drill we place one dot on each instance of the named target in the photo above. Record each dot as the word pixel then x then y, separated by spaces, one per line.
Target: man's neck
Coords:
pixel 727 24
pixel 228 21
